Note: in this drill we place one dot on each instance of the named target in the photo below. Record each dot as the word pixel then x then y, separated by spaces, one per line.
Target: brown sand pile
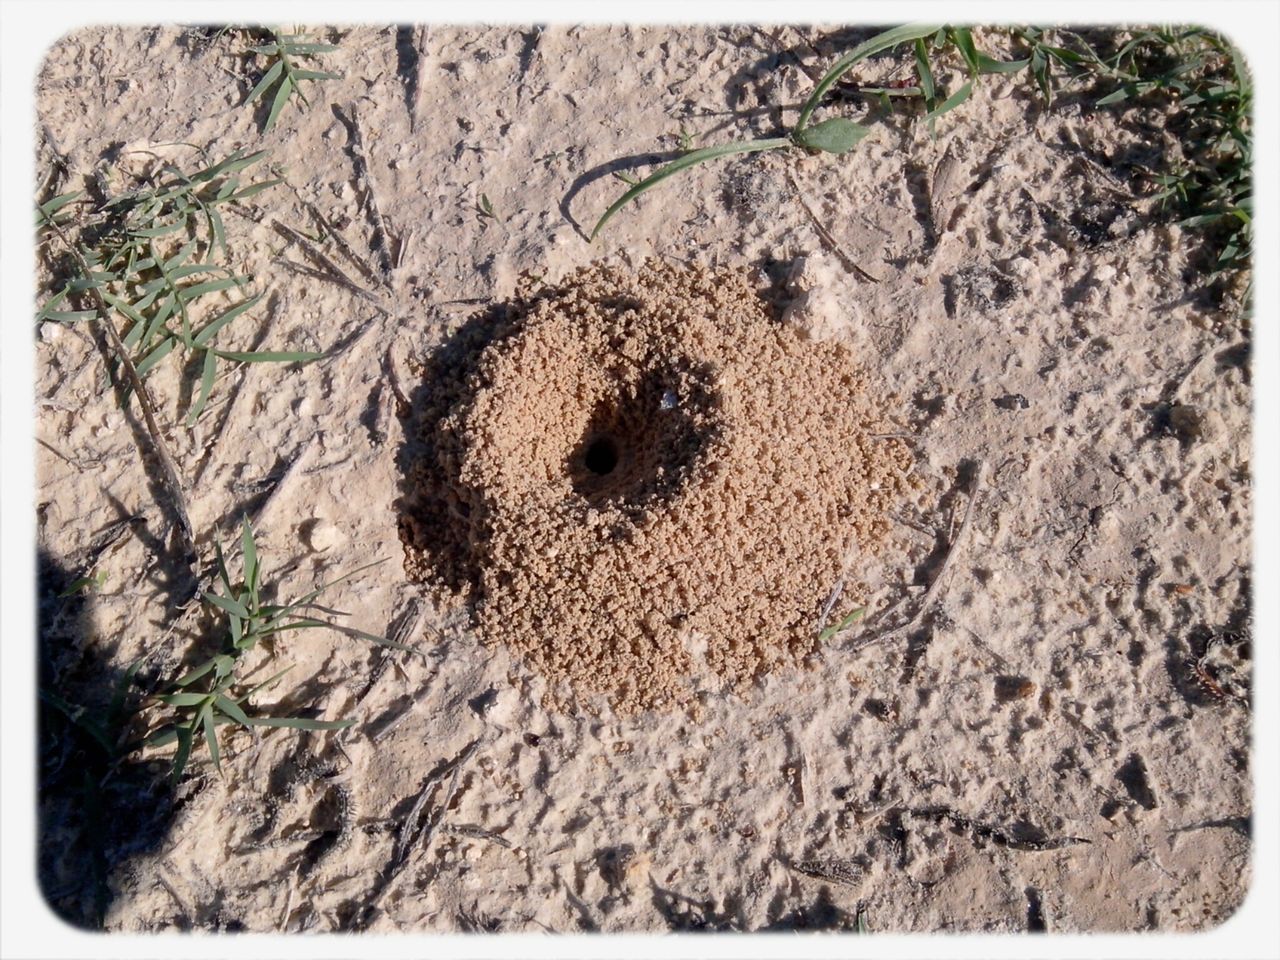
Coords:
pixel 645 477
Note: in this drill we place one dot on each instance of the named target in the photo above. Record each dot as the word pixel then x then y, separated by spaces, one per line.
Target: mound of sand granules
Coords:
pixel 642 482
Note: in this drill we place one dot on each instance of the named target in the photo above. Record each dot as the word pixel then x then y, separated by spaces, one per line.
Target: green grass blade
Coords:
pixel 181 756
pixel 987 64
pixel 881 41
pixel 190 293
pixel 160 231
pixel 233 164
pixel 154 357
pixel 189 678
pixel 925 73
pixel 843 625
pixel 303 624
pixel 211 736
pixel 227 604
pixel 180 257
pixel 953 101
pixel 222 566
pixel 191 269
pixel 183 699
pixel 206 387
pixel 250 551
pixel 255 188
pixel 232 710
pixel 306 49
pixel 268 78
pixel 963 38
pixel 690 159
pixel 208 332
pixel 282 96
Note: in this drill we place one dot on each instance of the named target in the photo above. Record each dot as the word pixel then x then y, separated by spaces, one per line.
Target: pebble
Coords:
pixel 323 535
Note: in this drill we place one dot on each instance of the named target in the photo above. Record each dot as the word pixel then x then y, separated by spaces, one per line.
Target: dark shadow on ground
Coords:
pixel 96 809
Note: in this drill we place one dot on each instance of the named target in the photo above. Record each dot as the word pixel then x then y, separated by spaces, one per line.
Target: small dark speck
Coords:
pixel 1011 401
pixel 483 702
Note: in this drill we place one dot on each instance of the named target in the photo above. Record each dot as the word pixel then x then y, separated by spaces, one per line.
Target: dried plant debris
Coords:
pixel 1223 671
pixel 1018 837
pixel 645 483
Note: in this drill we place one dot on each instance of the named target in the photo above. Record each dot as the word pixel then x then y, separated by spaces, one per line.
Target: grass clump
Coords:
pixel 836 135
pixel 150 254
pixel 212 694
pixel 284 75
pixel 1209 189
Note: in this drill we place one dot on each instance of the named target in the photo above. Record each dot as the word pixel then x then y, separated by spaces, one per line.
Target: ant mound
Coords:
pixel 645 484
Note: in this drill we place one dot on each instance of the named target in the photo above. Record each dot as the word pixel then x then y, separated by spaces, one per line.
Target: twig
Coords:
pixel 479 833
pixel 393 378
pixel 931 594
pixel 331 271
pixel 411 829
pixel 288 909
pixel 381 244
pixel 997 835
pixel 359 262
pixel 403 245
pixel 168 469
pixel 449 794
pixel 825 234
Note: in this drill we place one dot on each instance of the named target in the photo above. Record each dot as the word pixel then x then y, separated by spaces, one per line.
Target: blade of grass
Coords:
pixel 881 41
pixel 690 159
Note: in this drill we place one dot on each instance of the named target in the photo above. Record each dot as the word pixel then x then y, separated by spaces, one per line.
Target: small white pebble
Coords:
pixel 1023 267
pixel 50 331
pixel 323 536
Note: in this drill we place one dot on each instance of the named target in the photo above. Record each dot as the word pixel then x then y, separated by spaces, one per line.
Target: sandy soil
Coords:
pixel 1034 752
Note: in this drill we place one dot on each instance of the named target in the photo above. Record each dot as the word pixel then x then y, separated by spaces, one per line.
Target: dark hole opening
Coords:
pixel 602 456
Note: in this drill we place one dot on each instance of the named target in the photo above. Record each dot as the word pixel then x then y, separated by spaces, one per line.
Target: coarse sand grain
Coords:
pixel 648 485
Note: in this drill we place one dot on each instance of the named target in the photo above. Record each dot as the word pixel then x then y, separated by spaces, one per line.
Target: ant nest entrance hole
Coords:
pixel 642 441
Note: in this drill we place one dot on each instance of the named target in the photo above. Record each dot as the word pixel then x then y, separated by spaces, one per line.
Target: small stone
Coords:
pixel 323 536
pixel 50 332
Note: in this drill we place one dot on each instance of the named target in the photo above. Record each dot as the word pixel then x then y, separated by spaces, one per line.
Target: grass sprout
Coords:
pixel 285 76
pixel 837 628
pixel 93 582
pixel 484 207
pixel 47 213
pixel 150 253
pixel 213 694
